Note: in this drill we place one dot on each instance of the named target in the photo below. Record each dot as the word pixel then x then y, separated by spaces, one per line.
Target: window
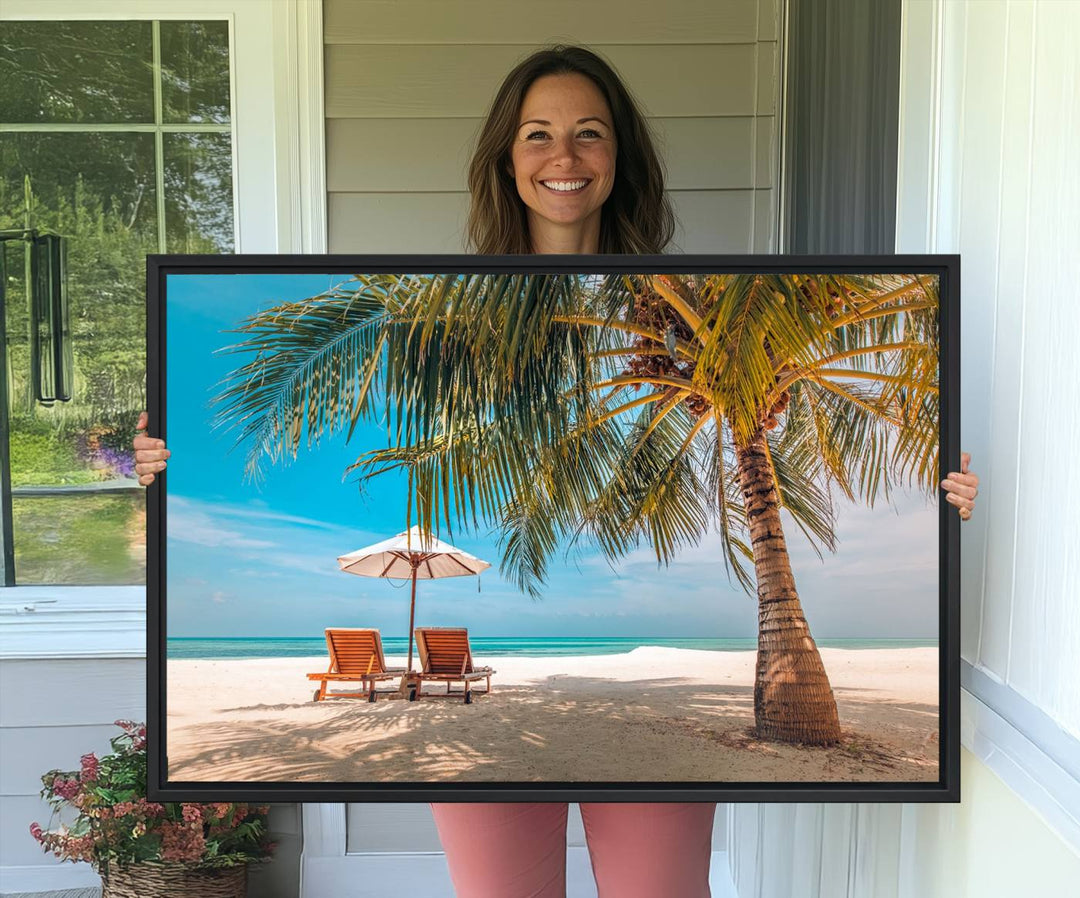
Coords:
pixel 116 135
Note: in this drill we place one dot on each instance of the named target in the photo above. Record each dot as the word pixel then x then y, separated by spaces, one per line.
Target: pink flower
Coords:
pixel 150 808
pixel 89 768
pixel 181 842
pixel 79 848
pixel 65 788
pixel 192 813
pixel 36 832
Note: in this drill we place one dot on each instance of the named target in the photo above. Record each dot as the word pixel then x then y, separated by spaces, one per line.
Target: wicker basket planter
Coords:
pixel 174 881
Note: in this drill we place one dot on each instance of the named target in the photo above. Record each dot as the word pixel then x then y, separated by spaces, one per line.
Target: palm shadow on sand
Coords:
pixel 569 729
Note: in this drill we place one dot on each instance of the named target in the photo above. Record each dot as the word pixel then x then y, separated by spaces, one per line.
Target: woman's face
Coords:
pixel 563 154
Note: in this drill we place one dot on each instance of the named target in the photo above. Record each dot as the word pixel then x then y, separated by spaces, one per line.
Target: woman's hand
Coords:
pixel 961 486
pixel 150 453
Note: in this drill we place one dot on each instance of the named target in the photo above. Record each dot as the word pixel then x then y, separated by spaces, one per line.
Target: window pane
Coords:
pixel 116 171
pixel 76 72
pixel 81 540
pixel 195 71
pixel 198 193
pixel 97 190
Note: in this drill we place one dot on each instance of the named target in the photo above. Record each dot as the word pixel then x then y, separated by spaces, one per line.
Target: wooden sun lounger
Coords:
pixel 445 656
pixel 356 655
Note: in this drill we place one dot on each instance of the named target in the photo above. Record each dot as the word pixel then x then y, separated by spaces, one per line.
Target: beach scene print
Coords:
pixel 552 528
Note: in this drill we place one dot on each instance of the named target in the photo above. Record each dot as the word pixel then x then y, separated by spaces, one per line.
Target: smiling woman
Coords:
pixel 563 162
pixel 560 117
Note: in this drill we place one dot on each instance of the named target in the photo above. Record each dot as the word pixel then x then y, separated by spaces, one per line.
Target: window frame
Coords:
pixel 279 206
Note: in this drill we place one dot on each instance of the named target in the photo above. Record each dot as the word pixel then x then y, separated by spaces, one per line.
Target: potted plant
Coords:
pixel 141 847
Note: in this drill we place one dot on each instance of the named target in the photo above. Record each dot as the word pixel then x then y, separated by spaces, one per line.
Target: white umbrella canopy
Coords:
pixel 413 548
pixel 413 555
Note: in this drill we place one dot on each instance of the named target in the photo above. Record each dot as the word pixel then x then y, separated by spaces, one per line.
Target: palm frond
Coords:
pixel 505 399
pixel 315 367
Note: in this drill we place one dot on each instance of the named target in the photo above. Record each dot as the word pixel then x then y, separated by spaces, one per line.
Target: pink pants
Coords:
pixel 647 850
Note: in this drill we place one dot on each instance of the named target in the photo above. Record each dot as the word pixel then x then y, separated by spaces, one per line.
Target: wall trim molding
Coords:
pixel 301 126
pixel 72 622
pixel 1031 771
pixel 919 126
pixel 324 828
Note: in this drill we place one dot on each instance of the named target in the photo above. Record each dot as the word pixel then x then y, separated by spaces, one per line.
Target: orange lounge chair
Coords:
pixel 355 655
pixel 445 656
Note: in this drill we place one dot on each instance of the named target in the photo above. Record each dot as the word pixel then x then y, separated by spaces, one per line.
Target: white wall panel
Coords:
pixel 988 168
pixel 975 163
pixel 1007 352
pixel 395 155
pixel 72 692
pixel 1004 174
pixel 28 752
pixel 390 826
pixel 714 221
pixel 1045 633
pixel 397 222
pixel 501 22
pixel 406 81
pixel 1006 188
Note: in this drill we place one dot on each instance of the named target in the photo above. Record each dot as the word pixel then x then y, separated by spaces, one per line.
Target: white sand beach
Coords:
pixel 652 714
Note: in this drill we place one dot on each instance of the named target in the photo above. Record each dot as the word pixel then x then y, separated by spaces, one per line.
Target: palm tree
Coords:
pixel 620 409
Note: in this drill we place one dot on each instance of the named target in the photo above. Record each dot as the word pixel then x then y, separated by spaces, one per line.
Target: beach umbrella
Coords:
pixel 411 555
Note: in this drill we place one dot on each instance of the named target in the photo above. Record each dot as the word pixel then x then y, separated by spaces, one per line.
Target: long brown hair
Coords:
pixel 636 218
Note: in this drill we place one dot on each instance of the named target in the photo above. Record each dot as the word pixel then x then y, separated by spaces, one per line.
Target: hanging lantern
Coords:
pixel 51 359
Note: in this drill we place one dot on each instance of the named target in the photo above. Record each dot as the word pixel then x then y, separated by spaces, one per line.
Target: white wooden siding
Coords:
pixel 455 80
pixel 82 697
pixel 432 154
pixel 407 85
pixel 500 22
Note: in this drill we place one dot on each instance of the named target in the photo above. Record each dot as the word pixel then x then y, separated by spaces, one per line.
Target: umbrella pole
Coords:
pixel 412 613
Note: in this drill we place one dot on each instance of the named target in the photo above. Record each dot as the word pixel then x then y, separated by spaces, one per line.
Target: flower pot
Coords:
pixel 167 880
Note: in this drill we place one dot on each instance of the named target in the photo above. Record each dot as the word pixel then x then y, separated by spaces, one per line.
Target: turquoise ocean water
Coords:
pixel 284 647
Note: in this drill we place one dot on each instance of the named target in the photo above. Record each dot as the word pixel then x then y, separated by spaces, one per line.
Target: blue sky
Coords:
pixel 247 560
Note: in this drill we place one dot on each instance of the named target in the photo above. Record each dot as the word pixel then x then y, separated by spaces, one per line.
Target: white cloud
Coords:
pixel 268 542
pixel 256 510
pixel 189 523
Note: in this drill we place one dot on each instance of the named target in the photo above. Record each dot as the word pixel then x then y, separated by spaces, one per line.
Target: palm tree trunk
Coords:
pixel 793 701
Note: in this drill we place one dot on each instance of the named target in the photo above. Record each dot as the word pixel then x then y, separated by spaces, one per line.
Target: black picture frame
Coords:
pixel 946 789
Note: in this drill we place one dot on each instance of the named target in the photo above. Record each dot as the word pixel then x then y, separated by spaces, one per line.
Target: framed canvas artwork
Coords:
pixel 580 528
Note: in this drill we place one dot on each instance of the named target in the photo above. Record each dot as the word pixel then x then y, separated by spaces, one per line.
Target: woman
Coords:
pixel 565 164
